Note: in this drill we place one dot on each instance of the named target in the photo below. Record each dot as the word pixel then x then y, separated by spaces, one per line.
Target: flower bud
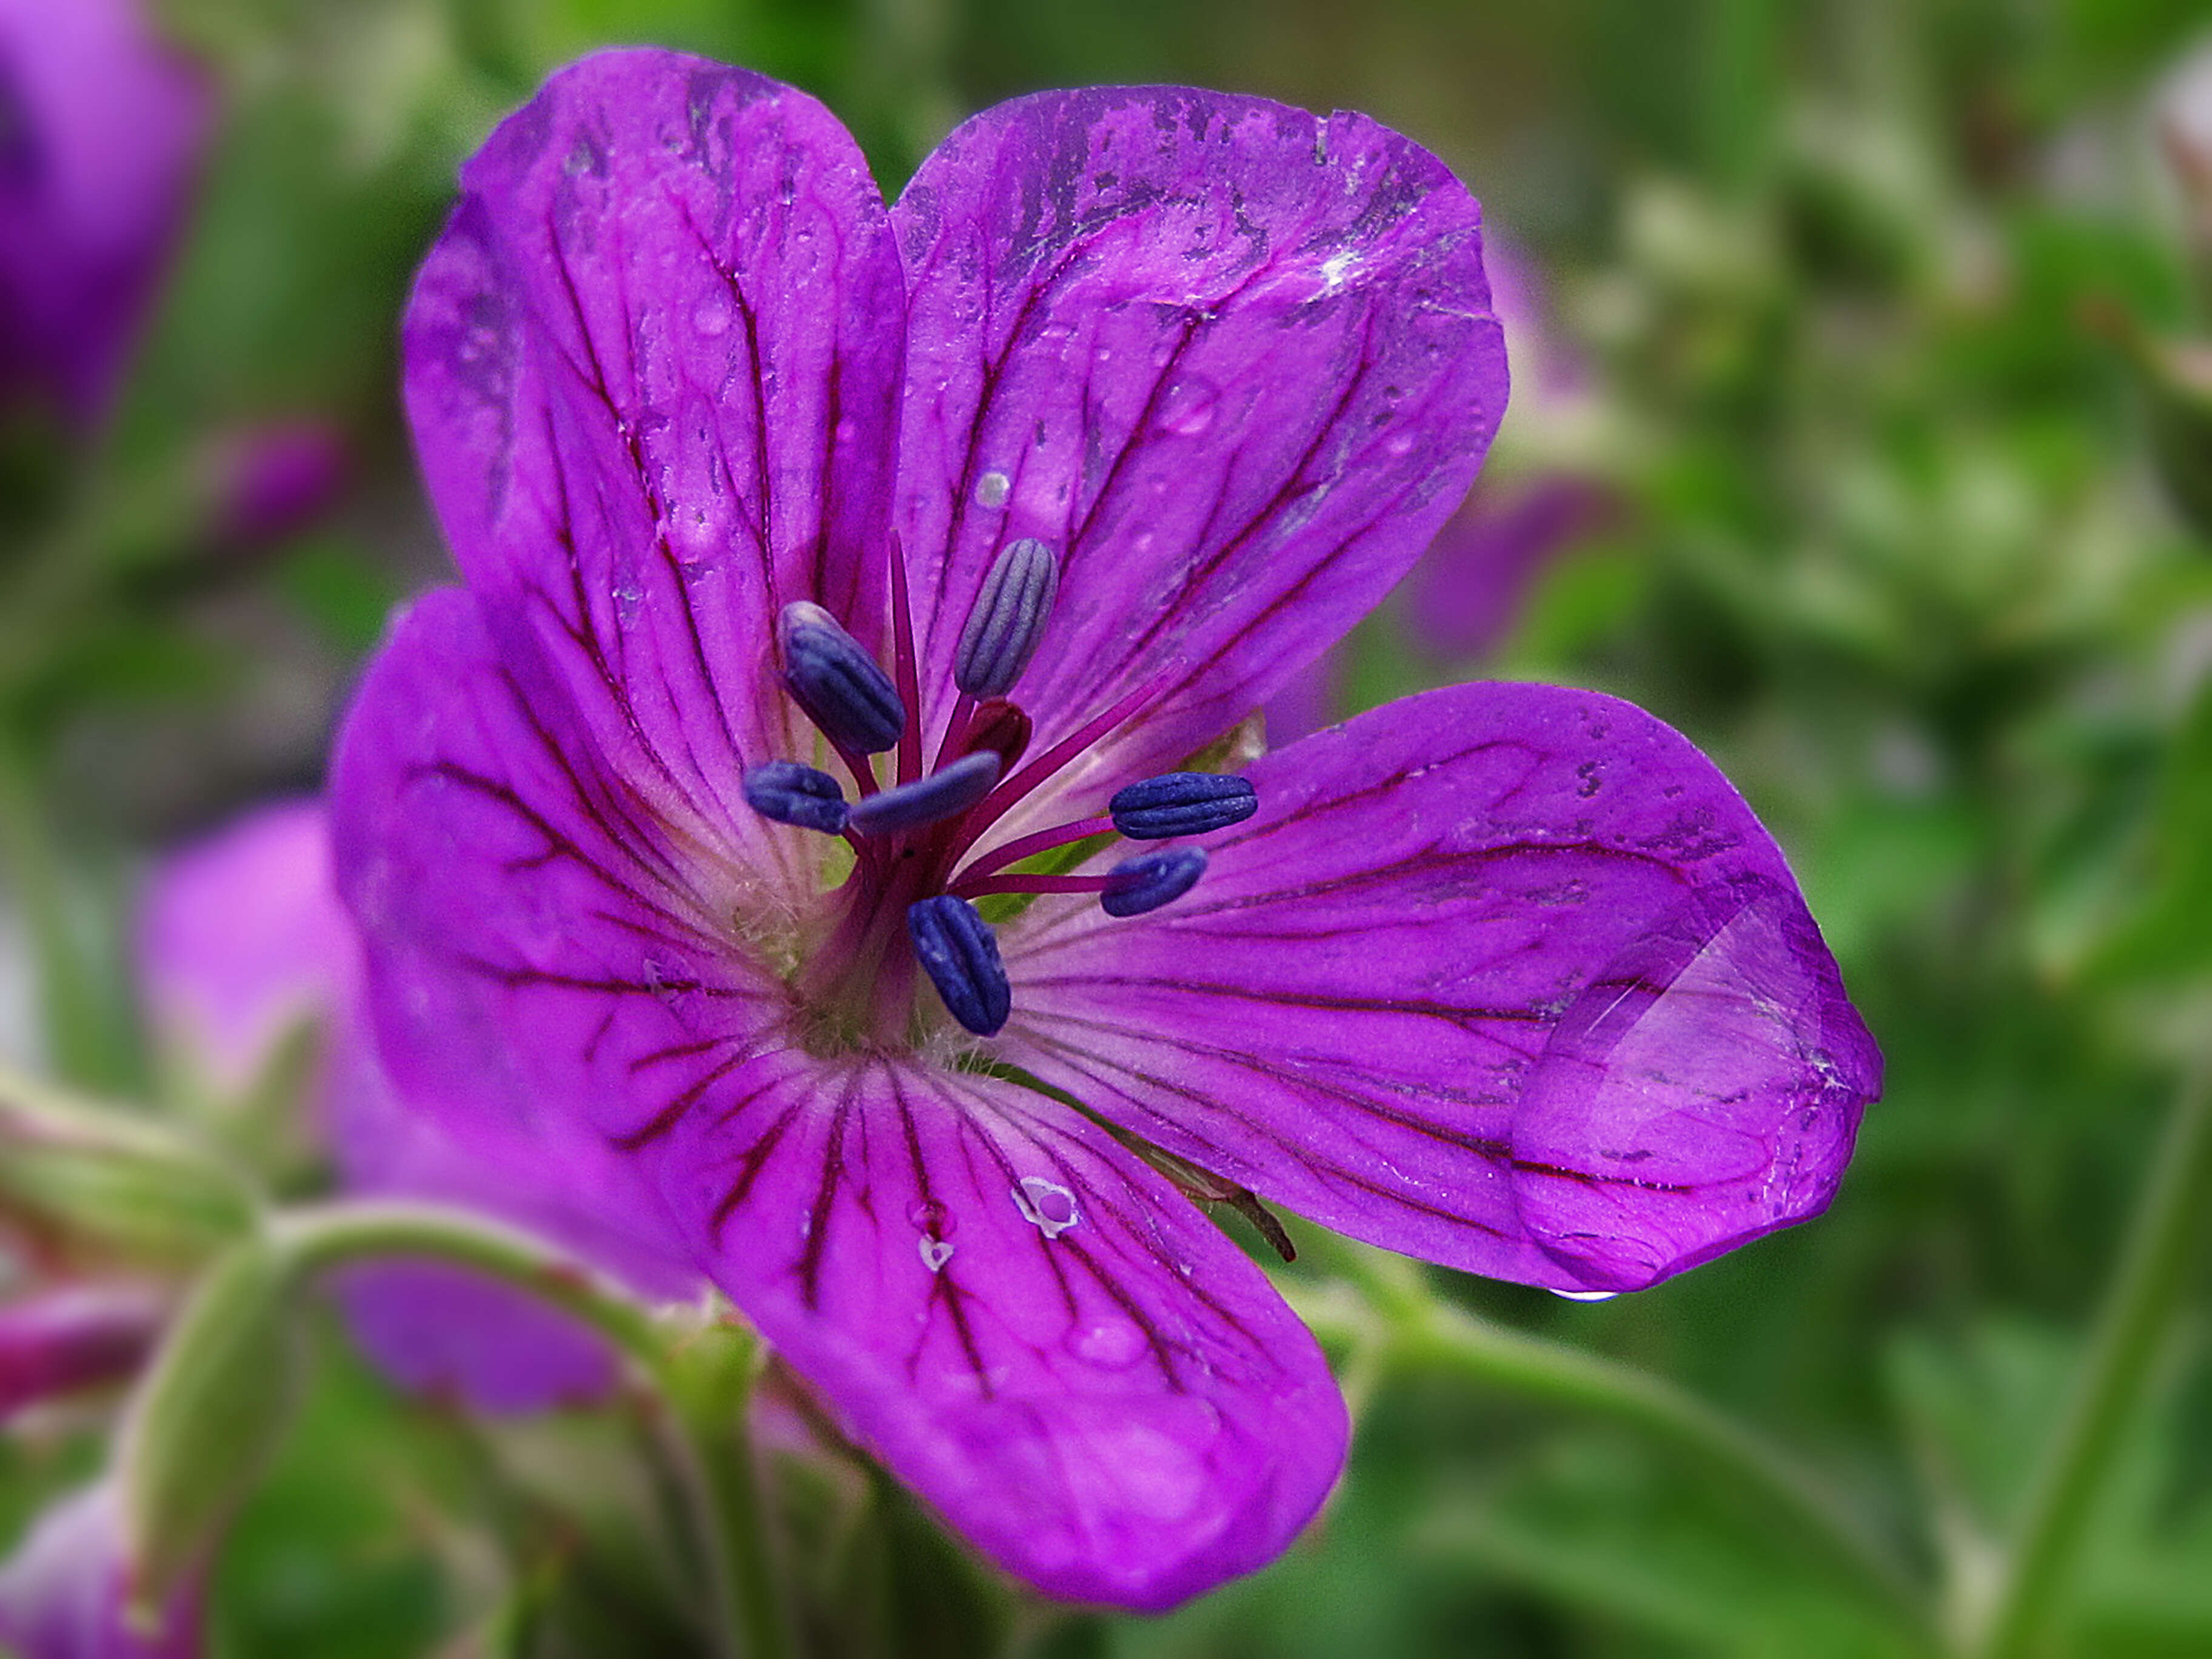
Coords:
pixel 59 1341
pixel 118 1184
pixel 208 1415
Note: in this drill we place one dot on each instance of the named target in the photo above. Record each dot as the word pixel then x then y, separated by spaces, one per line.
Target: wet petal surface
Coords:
pixel 652 372
pixel 1030 1326
pixel 1232 363
pixel 1504 977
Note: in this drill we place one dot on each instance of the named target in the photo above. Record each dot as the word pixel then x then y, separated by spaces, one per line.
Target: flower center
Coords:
pixel 909 900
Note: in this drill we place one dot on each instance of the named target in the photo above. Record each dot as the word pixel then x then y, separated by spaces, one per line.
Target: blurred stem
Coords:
pixel 70 1000
pixel 2154 1270
pixel 1421 1332
pixel 707 1380
pixel 703 1369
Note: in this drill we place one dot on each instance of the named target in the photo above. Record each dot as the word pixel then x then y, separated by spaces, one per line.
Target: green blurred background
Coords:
pixel 1876 317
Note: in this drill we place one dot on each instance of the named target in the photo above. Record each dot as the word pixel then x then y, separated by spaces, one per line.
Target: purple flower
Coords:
pixel 273 481
pixel 100 128
pixel 733 460
pixel 78 1336
pixel 242 941
pixel 1466 592
pixel 64 1593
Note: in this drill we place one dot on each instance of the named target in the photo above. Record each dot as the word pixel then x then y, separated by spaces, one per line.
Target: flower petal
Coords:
pixel 242 939
pixel 64 1594
pixel 653 370
pixel 1234 363
pixel 101 130
pixel 1027 1325
pixel 531 930
pixel 1505 977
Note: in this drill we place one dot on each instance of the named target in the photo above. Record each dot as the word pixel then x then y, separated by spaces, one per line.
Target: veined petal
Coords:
pixel 536 937
pixel 1030 1328
pixel 1505 977
pixel 653 369
pixel 1233 363
pixel 242 940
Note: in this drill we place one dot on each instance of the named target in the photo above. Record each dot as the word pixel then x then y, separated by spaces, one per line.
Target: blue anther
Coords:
pixel 839 685
pixel 960 954
pixel 944 794
pixel 1008 619
pixel 1140 884
pixel 790 793
pixel 1181 804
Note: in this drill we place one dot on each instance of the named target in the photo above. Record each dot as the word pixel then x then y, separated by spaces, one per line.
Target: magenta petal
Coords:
pixel 1234 363
pixel 542 944
pixel 100 128
pixel 1466 592
pixel 653 371
pixel 445 1333
pixel 64 1592
pixel 242 939
pixel 80 1336
pixel 1029 1326
pixel 1504 977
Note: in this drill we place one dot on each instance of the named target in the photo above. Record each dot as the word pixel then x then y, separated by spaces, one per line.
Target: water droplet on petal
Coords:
pixel 1398 443
pixel 1113 1343
pixel 1586 1296
pixel 935 1253
pixel 1700 1090
pixel 1046 1205
pixel 932 1217
pixel 711 316
pixel 993 489
pixel 1188 408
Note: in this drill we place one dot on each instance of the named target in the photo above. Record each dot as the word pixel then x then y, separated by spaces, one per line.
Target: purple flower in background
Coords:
pixel 242 941
pixel 1467 590
pixel 845 586
pixel 100 128
pixel 78 1336
pixel 63 1594
pixel 271 482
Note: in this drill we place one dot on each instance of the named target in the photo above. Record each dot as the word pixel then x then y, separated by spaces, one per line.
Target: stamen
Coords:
pixel 1044 841
pixel 960 954
pixel 841 688
pixel 1000 727
pixel 788 793
pixel 1145 884
pixel 1182 804
pixel 943 795
pixel 903 658
pixel 1008 620
pixel 996 803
